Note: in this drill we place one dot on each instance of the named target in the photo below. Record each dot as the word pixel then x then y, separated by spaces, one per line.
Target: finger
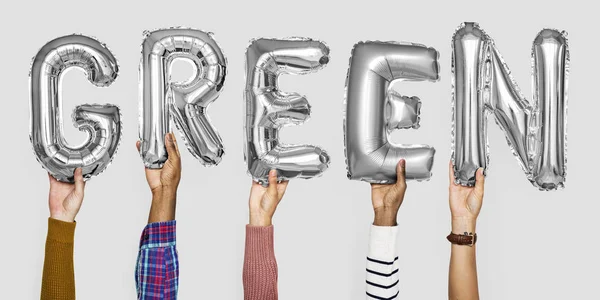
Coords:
pixel 282 186
pixel 401 173
pixel 479 181
pixel 79 183
pixel 137 145
pixel 51 178
pixel 272 189
pixel 451 171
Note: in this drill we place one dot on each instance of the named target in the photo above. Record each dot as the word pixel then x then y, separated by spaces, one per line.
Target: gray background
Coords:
pixel 533 245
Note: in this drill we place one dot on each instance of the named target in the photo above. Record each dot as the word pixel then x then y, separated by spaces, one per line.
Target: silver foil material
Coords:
pixel 101 122
pixel 185 103
pixel 373 110
pixel 483 85
pixel 268 108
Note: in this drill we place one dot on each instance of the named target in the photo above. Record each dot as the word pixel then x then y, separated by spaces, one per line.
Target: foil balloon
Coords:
pixel 101 122
pixel 373 110
pixel 483 85
pixel 186 103
pixel 268 108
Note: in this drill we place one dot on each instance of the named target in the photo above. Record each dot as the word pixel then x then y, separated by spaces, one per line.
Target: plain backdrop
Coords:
pixel 532 244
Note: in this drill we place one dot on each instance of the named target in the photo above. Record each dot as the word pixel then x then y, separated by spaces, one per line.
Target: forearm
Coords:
pixel 58 279
pixel 164 202
pixel 386 217
pixel 157 269
pixel 260 265
pixel 382 262
pixel 463 267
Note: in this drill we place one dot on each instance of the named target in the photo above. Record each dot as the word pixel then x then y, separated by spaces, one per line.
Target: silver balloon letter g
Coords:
pixel 268 108
pixel 535 131
pixel 373 110
pixel 102 122
pixel 185 102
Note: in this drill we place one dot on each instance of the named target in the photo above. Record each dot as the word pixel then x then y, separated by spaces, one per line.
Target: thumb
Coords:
pixel 79 183
pixel 272 188
pixel 171 146
pixel 401 173
pixel 479 181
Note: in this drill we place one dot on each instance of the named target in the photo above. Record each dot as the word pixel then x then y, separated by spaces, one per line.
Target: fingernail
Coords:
pixel 169 137
pixel 273 172
pixel 403 163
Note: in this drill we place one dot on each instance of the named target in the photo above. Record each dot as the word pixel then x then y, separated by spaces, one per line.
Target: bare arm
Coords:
pixel 164 182
pixel 465 205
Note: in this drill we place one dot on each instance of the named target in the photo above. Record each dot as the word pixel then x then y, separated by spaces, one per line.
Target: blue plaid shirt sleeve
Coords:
pixel 157 268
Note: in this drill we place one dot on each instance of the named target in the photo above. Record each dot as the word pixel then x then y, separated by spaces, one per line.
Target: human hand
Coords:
pixel 264 200
pixel 65 198
pixel 168 177
pixel 387 198
pixel 465 202
pixel 163 183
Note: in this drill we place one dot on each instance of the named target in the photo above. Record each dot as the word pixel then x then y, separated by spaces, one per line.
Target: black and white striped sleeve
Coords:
pixel 382 264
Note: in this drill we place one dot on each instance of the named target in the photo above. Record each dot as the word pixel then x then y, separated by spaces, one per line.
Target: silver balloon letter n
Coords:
pixel 268 108
pixel 102 122
pixel 373 110
pixel 535 131
pixel 185 102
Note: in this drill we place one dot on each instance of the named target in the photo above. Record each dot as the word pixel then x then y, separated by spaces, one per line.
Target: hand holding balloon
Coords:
pixel 164 182
pixel 465 202
pixel 65 199
pixel 387 198
pixel 264 200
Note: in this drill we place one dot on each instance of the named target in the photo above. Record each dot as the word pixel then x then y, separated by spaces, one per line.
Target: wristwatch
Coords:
pixel 465 239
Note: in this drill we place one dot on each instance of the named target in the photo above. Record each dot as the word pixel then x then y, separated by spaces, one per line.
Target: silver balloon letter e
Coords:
pixel 373 110
pixel 268 108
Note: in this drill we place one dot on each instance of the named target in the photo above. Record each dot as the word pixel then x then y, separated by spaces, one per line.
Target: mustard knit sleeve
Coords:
pixel 58 279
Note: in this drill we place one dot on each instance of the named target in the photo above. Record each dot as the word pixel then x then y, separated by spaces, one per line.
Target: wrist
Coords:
pixel 464 224
pixel 385 217
pixel 163 206
pixel 163 194
pixel 64 218
pixel 258 219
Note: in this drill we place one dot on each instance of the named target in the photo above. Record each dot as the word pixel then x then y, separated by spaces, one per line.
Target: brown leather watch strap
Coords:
pixel 465 239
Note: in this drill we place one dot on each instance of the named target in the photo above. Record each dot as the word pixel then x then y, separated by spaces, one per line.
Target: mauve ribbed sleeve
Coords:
pixel 260 266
